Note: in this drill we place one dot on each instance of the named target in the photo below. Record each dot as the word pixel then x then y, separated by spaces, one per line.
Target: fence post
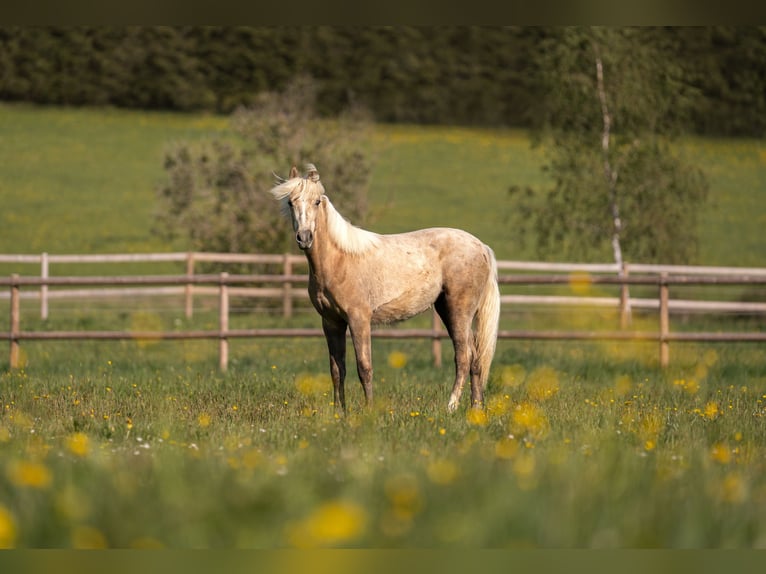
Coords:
pixel 436 343
pixel 188 291
pixel 287 301
pixel 664 321
pixel 13 359
pixel 223 323
pixel 44 272
pixel 625 311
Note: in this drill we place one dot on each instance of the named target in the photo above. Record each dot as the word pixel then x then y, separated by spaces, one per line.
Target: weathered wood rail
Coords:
pixel 224 286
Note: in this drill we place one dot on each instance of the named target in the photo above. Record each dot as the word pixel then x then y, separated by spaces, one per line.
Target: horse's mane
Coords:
pixel 347 237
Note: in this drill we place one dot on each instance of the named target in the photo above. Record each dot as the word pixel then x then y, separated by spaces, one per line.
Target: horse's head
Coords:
pixel 302 199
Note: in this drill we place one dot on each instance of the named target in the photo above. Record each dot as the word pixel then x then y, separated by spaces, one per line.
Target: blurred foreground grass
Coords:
pixel 133 445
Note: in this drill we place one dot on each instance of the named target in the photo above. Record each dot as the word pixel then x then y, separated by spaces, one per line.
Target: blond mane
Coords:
pixel 346 237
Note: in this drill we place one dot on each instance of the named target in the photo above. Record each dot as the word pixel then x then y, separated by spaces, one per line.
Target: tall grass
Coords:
pixel 125 445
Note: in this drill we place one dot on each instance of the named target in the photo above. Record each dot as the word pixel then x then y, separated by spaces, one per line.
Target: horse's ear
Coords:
pixel 312 173
pixel 294 172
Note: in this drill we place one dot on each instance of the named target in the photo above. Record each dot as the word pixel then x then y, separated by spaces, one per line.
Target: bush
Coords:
pixel 214 197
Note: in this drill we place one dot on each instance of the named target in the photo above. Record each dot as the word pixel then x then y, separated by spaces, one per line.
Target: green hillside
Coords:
pixel 83 181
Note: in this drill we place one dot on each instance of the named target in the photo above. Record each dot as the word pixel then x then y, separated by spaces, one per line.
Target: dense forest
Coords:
pixel 466 75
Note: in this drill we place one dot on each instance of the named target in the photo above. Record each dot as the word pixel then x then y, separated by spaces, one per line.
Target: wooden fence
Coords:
pixel 288 286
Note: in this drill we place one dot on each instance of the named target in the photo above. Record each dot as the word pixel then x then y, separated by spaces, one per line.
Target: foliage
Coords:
pixel 215 193
pixel 471 75
pixel 618 176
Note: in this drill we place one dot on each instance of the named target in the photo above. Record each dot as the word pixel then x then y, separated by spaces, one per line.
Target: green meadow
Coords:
pixel 144 444
pixel 83 181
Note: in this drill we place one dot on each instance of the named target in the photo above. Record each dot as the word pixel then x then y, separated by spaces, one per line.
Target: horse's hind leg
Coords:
pixel 335 334
pixel 459 328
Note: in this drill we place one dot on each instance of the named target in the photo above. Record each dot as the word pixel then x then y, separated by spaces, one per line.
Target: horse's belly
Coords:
pixel 405 306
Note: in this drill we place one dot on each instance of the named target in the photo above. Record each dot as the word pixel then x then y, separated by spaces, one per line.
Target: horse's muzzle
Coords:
pixel 304 238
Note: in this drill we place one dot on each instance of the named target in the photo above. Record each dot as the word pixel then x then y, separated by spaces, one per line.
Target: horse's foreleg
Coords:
pixel 335 334
pixel 361 337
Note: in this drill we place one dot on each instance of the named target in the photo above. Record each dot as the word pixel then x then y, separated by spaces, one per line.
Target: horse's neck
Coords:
pixel 324 255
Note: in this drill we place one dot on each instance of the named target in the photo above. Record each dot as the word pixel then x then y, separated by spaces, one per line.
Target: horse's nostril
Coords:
pixel 304 238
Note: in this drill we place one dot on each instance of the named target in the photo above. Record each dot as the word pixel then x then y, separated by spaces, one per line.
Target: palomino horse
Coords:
pixel 358 278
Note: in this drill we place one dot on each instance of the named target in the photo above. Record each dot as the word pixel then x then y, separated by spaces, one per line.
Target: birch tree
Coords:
pixel 621 187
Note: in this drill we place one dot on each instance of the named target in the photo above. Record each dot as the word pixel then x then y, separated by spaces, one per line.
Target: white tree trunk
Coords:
pixel 610 174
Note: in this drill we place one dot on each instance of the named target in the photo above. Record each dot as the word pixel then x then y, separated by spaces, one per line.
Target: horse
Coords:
pixel 358 278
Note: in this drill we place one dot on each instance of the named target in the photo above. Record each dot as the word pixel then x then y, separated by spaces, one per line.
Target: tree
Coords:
pixel 214 197
pixel 614 102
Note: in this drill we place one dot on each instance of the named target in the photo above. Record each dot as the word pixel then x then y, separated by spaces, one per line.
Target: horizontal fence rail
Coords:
pixel 289 285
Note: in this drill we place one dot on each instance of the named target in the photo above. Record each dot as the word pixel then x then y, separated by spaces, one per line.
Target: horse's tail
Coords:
pixel 487 322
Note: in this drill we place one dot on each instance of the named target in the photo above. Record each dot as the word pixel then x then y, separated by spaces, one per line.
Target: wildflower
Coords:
pixel 397 359
pixel 30 474
pixel 333 523
pixel 530 419
pixel 476 417
pixel 203 420
pixel 78 444
pixel 498 405
pixel 720 453
pixel 712 410
pixel 7 529
pixel 690 386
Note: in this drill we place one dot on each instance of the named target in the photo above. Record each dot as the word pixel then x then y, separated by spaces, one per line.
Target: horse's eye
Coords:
pixel 317 202
pixel 290 203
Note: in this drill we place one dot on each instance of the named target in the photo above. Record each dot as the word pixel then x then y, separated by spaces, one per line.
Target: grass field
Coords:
pixel 142 444
pixel 83 181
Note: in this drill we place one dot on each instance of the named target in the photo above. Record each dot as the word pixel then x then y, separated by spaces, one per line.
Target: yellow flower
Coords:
pixel 203 420
pixel 334 523
pixel 720 453
pixel 7 529
pixel 78 444
pixel 476 417
pixel 530 419
pixel 712 410
pixel 498 405
pixel 397 360
pixel 30 474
